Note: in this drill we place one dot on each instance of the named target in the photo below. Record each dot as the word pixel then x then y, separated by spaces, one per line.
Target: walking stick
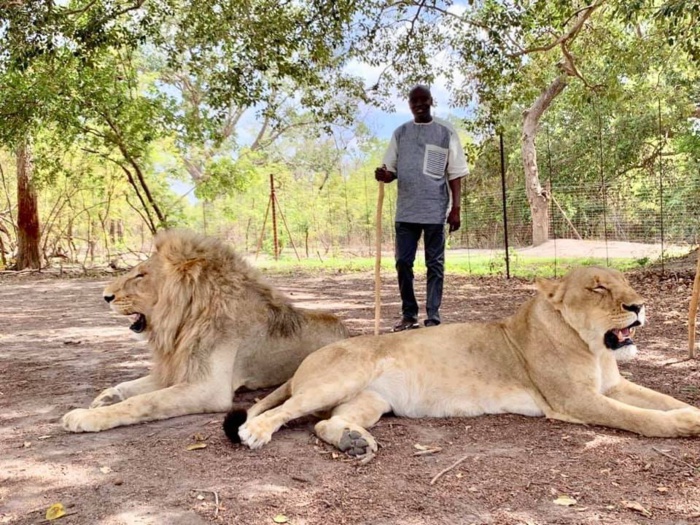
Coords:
pixel 693 310
pixel 378 260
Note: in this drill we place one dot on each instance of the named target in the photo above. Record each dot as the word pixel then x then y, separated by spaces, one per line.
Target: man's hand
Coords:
pixel 384 175
pixel 454 220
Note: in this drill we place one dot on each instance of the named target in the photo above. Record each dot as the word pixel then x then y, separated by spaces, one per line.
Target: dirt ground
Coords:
pixel 59 347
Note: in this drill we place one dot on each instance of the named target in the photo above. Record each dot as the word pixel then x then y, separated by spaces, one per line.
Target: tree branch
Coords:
pixel 581 17
pixel 568 65
pixel 411 30
pixel 79 11
pixel 9 203
pixel 137 5
pixel 255 146
pixel 279 132
pixel 231 121
pixel 148 219
pixel 139 174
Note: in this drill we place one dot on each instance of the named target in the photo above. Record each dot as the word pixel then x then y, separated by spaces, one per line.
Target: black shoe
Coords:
pixel 405 324
pixel 431 322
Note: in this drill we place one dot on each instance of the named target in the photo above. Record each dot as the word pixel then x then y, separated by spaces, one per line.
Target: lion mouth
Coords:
pixel 620 337
pixel 139 324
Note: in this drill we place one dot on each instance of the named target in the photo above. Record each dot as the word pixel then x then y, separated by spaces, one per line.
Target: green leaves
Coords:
pixel 224 176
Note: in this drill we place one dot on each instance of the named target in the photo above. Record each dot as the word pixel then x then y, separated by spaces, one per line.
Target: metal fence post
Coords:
pixel 505 213
pixel 661 190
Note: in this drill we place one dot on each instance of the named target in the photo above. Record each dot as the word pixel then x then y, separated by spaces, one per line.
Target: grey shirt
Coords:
pixel 425 157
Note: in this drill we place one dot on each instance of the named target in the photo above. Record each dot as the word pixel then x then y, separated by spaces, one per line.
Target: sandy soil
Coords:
pixel 59 347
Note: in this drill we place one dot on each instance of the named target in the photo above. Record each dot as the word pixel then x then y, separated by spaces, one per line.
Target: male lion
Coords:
pixel 213 326
pixel 554 357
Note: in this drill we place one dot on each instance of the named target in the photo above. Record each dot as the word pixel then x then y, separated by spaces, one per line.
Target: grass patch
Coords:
pixel 457 264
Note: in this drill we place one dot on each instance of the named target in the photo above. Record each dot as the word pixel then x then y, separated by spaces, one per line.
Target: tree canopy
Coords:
pixel 218 94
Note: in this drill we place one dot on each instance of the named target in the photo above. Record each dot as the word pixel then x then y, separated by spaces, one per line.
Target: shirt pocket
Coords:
pixel 435 161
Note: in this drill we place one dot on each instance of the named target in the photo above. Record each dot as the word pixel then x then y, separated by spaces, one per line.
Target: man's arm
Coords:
pixel 456 169
pixel 387 173
pixel 454 219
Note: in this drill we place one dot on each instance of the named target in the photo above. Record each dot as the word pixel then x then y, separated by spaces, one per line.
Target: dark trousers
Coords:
pixel 407 236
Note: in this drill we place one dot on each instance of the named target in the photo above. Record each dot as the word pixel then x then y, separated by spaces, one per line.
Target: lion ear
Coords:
pixel 548 288
pixel 180 251
pixel 190 267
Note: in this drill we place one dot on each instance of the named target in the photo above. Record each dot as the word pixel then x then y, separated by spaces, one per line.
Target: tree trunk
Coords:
pixel 27 212
pixel 537 197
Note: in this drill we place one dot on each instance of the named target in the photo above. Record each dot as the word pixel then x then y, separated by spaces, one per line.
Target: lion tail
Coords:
pixel 236 417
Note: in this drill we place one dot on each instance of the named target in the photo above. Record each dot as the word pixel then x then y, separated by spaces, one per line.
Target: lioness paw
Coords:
pixel 83 420
pixel 353 443
pixel 253 434
pixel 109 396
pixel 687 421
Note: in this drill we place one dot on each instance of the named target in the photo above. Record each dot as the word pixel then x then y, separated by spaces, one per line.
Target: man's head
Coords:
pixel 419 101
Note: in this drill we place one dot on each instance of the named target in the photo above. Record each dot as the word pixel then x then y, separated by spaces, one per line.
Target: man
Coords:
pixel 427 159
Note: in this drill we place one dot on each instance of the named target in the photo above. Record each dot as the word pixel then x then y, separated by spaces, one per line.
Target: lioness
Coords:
pixel 554 357
pixel 213 325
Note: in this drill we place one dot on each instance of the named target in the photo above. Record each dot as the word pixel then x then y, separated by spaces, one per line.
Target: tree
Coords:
pixel 27 213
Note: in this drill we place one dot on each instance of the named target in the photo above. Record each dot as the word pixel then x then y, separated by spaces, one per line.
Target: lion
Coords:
pixel 555 357
pixel 213 326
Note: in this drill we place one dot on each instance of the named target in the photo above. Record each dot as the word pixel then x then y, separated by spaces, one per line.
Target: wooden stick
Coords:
pixel 378 260
pixel 669 456
pixel 571 224
pixel 432 481
pixel 693 309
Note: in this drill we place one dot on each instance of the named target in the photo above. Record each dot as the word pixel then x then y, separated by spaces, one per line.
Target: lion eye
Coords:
pixel 599 289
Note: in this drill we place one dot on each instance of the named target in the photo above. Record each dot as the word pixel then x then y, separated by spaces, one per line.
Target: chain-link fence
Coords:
pixel 611 212
pixel 655 206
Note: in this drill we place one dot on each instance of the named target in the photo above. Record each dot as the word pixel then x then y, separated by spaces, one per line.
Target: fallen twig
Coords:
pixel 427 451
pixel 669 456
pixel 437 476
pixel 677 362
pixel 216 499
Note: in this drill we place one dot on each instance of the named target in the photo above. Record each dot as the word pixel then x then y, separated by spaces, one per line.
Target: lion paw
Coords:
pixel 83 420
pixel 107 397
pixel 353 443
pixel 253 434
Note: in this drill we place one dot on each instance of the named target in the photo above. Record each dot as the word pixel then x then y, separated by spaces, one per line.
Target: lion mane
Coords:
pixel 556 356
pixel 213 325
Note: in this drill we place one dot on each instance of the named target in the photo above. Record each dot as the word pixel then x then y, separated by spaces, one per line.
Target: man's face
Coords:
pixel 419 102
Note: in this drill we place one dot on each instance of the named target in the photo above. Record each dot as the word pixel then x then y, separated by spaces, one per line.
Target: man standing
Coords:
pixel 427 159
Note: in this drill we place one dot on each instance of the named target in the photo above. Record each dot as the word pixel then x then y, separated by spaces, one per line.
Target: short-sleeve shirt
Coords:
pixel 425 157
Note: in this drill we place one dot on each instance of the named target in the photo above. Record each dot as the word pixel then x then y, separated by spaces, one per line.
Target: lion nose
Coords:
pixel 109 298
pixel 636 308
